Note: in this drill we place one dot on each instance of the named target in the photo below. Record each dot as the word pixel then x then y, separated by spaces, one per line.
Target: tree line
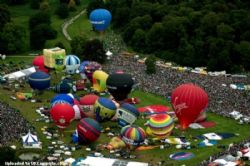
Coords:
pixel 191 33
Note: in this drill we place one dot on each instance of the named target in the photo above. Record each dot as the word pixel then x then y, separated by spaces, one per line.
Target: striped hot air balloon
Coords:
pixel 88 130
pixel 160 125
pixel 72 63
pixel 133 136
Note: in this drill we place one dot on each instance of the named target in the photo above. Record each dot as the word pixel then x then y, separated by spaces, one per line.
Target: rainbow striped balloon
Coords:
pixel 133 136
pixel 160 125
pixel 160 121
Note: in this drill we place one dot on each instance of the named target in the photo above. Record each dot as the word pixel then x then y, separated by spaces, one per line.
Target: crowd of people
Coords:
pixel 12 124
pixel 232 150
pixel 222 98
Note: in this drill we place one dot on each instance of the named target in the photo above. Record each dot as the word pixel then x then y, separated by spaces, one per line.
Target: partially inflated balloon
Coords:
pixel 62 114
pixel 38 62
pixel 105 109
pixel 127 114
pixel 90 68
pixel 99 80
pixel 62 98
pixel 39 80
pixel 72 63
pixel 133 136
pixel 88 130
pixel 160 125
pixel 119 85
pixel 188 100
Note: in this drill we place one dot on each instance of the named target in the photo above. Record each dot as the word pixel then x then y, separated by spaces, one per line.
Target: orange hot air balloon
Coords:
pixel 188 100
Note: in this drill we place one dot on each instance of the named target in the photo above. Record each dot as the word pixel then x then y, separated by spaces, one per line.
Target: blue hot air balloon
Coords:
pixel 39 80
pixel 100 19
pixel 62 98
pixel 72 63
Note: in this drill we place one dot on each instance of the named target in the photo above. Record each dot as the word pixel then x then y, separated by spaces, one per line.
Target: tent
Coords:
pixel 31 141
pixel 20 74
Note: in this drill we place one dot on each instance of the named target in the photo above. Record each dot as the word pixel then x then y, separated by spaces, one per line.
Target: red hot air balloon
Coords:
pixel 188 100
pixel 62 114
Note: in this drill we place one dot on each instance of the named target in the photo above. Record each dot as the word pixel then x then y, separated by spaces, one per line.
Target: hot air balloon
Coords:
pixel 39 80
pixel 105 109
pixel 88 130
pixel 133 136
pixel 38 62
pixel 127 114
pixel 63 87
pixel 100 19
pixel 87 104
pixel 160 125
pixel 119 85
pixel 82 69
pixel 91 68
pixel 99 80
pixel 62 114
pixel 62 98
pixel 188 100
pixel 72 63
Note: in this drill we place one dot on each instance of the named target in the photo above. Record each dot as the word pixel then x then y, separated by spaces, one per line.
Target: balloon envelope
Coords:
pixel 91 68
pixel 100 19
pixel 38 62
pixel 133 136
pixel 62 114
pixel 99 80
pixel 105 109
pixel 72 63
pixel 119 85
pixel 88 130
pixel 127 114
pixel 62 98
pixel 188 100
pixel 39 80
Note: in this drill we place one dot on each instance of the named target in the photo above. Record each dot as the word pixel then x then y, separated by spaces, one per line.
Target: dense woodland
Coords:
pixel 192 33
pixel 208 33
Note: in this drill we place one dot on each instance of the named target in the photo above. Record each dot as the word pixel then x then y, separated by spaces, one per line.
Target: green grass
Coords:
pixel 223 125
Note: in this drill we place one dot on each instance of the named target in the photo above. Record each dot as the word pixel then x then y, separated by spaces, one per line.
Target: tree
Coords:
pixel 40 34
pixel 150 64
pixel 4 15
pixel 155 38
pixel 35 4
pixel 13 38
pixel 225 31
pixel 39 18
pixel 94 4
pixel 62 11
pixel 243 48
pixel 94 51
pixel 186 53
pixel 72 5
pixel 78 45
pixel 138 40
pixel 15 2
pixel 44 6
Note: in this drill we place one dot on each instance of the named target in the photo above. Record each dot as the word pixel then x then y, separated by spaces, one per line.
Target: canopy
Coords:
pixel 30 139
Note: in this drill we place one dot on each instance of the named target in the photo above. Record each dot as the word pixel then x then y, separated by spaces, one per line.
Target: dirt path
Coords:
pixel 68 22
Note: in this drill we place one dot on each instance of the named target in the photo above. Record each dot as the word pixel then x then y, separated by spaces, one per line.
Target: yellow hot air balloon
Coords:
pixel 99 80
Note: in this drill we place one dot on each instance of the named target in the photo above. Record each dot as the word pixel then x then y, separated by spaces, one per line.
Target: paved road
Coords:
pixel 68 22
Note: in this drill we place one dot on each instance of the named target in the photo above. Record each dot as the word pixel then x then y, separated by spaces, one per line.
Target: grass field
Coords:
pixel 223 125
